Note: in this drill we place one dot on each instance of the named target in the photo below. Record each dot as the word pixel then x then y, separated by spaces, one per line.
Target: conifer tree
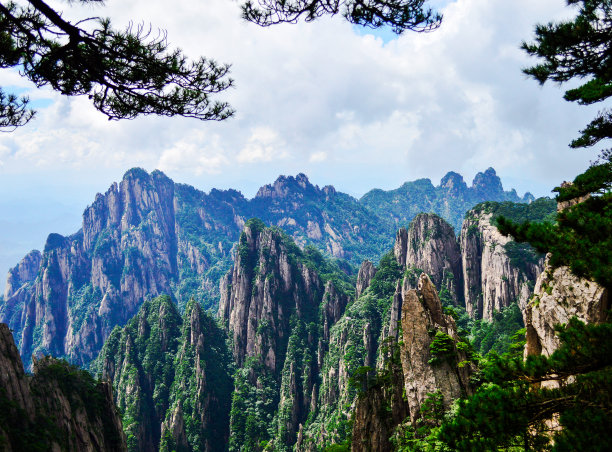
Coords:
pixel 125 73
pixel 511 410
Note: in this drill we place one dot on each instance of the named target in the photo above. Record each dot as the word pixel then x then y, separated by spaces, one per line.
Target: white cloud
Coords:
pixel 317 157
pixel 197 154
pixel 264 145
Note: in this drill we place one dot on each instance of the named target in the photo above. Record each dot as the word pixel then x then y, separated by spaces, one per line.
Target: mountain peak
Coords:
pixel 488 183
pixel 285 186
pixel 453 182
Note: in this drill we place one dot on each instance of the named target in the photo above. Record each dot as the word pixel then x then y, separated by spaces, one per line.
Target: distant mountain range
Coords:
pixel 148 236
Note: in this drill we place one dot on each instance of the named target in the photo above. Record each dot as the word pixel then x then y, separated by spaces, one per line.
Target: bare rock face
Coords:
pixel 496 270
pixel 364 277
pixel 558 296
pixel 429 244
pixel 143 237
pixel 25 272
pixel 261 292
pixel 377 413
pixel 422 321
pixel 57 405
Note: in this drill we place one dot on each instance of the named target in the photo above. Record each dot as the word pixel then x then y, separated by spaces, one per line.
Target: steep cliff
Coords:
pixel 364 277
pixel 59 407
pixel 279 303
pixel 138 240
pixel 496 270
pixel 429 245
pixel 171 377
pixel 558 296
pixel 430 361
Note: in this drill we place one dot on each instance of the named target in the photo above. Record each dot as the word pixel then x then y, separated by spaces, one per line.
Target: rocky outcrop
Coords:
pixel 364 277
pixel 59 407
pixel 264 288
pixel 171 377
pixel 23 273
pixel 272 301
pixel 378 412
pixel 496 270
pixel 558 296
pixel 429 245
pixel 431 359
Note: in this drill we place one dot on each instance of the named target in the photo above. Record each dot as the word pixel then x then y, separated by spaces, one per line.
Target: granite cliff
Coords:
pixel 58 407
pixel 172 376
pixel 148 236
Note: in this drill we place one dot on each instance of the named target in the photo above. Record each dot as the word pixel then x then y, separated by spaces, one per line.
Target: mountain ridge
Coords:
pixel 147 236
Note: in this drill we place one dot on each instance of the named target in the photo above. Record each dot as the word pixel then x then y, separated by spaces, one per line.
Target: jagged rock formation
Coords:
pixel 450 200
pixel 272 300
pixel 429 245
pixel 59 407
pixel 364 277
pixel 558 296
pixel 496 270
pixel 147 236
pixel 171 376
pixel 430 358
pixel 428 369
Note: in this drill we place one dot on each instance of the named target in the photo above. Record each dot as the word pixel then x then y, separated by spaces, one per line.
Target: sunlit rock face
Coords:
pixel 493 278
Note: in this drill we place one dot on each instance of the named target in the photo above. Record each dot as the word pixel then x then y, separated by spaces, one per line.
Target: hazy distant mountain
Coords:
pixel 450 200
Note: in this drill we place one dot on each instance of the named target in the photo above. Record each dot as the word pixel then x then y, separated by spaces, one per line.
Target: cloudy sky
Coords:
pixel 348 107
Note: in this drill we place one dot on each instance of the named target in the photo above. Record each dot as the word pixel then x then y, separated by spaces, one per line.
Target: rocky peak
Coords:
pixel 364 277
pixel 287 187
pixel 423 322
pixel 453 183
pixel 488 185
pixel 429 245
pixel 264 288
pixel 22 273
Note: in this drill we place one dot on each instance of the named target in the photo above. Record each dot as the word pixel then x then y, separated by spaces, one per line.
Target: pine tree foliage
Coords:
pixel 580 48
pixel 400 15
pixel 125 73
pixel 582 236
pixel 512 409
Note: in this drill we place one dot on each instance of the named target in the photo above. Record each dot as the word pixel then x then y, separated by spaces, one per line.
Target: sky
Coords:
pixel 347 106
